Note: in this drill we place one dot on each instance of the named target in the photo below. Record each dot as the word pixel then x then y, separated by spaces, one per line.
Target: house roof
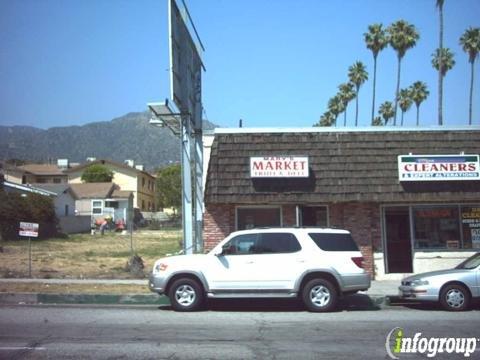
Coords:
pixel 93 190
pixel 41 169
pixel 345 165
pixel 107 162
pixel 27 188
pixel 120 194
pixel 56 188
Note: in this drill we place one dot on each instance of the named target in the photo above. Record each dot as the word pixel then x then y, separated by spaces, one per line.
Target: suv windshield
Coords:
pixel 471 263
pixel 334 242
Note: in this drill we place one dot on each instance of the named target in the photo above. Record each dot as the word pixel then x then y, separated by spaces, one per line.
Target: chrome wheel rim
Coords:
pixel 185 295
pixel 455 298
pixel 320 296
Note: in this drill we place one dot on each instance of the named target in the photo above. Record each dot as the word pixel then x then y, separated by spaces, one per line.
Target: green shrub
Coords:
pixel 34 208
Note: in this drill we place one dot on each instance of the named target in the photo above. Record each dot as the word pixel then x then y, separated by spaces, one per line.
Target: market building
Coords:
pixel 410 197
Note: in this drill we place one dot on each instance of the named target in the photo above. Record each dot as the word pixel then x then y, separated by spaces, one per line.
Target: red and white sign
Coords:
pixel 279 167
pixel 28 229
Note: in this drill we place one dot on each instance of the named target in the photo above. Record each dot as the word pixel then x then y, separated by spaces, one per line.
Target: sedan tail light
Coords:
pixel 358 261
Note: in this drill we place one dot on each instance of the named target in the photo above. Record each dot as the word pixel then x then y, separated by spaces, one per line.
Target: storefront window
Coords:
pixel 249 218
pixel 437 227
pixel 470 216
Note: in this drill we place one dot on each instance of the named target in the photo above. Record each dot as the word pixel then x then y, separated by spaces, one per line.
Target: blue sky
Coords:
pixel 269 62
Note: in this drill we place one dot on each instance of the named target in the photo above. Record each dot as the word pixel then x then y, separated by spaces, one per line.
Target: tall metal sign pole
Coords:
pixel 186 92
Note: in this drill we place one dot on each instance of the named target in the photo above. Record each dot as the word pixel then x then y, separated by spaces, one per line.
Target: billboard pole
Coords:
pixel 186 186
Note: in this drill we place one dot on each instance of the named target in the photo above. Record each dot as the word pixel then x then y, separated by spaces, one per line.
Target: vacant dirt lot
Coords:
pixel 85 256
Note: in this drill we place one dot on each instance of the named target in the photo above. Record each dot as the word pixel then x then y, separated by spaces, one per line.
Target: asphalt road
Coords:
pixel 239 330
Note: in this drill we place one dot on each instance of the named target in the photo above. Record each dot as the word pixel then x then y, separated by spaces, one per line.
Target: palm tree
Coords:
pixel 326 119
pixel 376 40
pixel 357 73
pixel 442 61
pixel 377 121
pixel 439 5
pixel 386 111
pixel 336 107
pixel 419 93
pixel 347 94
pixel 470 41
pixel 404 102
pixel 403 36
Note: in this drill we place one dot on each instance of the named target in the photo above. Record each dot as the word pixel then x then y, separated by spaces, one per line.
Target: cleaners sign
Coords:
pixel 438 167
pixel 279 167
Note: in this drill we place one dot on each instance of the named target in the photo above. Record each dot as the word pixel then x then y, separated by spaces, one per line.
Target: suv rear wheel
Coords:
pixel 319 295
pixel 186 295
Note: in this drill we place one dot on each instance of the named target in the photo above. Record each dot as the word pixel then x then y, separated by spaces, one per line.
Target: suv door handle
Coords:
pixel 249 262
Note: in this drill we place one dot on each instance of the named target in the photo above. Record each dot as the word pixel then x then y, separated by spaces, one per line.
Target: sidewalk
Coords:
pixel 379 293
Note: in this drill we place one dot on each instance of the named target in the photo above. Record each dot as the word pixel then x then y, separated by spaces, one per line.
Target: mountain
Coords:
pixel 126 137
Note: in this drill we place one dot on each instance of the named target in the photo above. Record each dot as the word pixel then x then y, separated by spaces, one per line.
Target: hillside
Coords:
pixel 126 137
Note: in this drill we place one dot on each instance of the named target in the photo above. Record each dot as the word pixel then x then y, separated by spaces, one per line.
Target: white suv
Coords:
pixel 318 265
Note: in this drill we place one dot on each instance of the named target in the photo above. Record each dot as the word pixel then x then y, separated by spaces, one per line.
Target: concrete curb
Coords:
pixel 126 299
pixel 100 299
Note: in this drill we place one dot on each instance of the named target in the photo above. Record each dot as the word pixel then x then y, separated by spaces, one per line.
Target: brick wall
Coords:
pixel 218 222
pixel 363 221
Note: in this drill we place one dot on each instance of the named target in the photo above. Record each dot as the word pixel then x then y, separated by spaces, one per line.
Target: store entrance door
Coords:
pixel 398 240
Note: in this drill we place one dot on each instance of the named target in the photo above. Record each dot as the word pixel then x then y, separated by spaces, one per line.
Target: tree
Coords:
pixel 357 73
pixel 326 119
pixel 377 121
pixel 347 94
pixel 169 187
pixel 386 111
pixel 376 40
pixel 336 107
pixel 97 173
pixel 442 61
pixel 470 41
pixel 403 36
pixel 419 93
pixel 439 4
pixel 404 102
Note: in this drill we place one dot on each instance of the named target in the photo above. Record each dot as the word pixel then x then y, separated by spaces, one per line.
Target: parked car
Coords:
pixel 454 288
pixel 317 265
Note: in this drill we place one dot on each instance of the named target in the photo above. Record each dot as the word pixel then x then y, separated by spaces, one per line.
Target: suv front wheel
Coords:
pixel 186 295
pixel 319 295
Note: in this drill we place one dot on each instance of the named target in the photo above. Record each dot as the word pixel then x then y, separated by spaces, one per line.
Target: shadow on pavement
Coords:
pixel 425 306
pixel 357 302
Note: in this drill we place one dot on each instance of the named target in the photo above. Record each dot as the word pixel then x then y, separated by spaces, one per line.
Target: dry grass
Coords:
pixel 73 288
pixel 85 256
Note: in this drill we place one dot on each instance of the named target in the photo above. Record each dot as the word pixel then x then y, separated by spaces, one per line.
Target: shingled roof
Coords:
pixel 355 165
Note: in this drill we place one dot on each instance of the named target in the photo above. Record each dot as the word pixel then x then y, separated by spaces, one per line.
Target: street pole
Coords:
pixel 198 192
pixel 186 186
pixel 29 257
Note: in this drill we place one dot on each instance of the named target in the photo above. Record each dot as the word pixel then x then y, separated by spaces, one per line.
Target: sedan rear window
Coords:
pixel 334 242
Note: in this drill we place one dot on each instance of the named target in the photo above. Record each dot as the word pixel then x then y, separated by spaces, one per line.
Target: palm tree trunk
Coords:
pixel 418 113
pixel 401 124
pixel 471 95
pixel 440 71
pixel 374 84
pixel 397 91
pixel 345 116
pixel 356 108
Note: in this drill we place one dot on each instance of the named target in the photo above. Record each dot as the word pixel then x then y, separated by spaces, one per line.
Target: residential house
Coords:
pixel 127 177
pixel 37 173
pixel 101 200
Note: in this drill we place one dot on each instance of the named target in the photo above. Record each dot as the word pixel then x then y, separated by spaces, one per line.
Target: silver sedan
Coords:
pixel 454 288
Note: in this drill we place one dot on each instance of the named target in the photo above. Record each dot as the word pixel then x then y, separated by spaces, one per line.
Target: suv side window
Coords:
pixel 334 242
pixel 274 243
pixel 241 245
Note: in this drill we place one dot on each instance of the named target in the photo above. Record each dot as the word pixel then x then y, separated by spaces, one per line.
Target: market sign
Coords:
pixel 279 167
pixel 438 167
pixel 28 229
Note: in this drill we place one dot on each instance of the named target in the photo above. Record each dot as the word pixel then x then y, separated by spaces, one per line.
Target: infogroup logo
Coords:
pixel 397 343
